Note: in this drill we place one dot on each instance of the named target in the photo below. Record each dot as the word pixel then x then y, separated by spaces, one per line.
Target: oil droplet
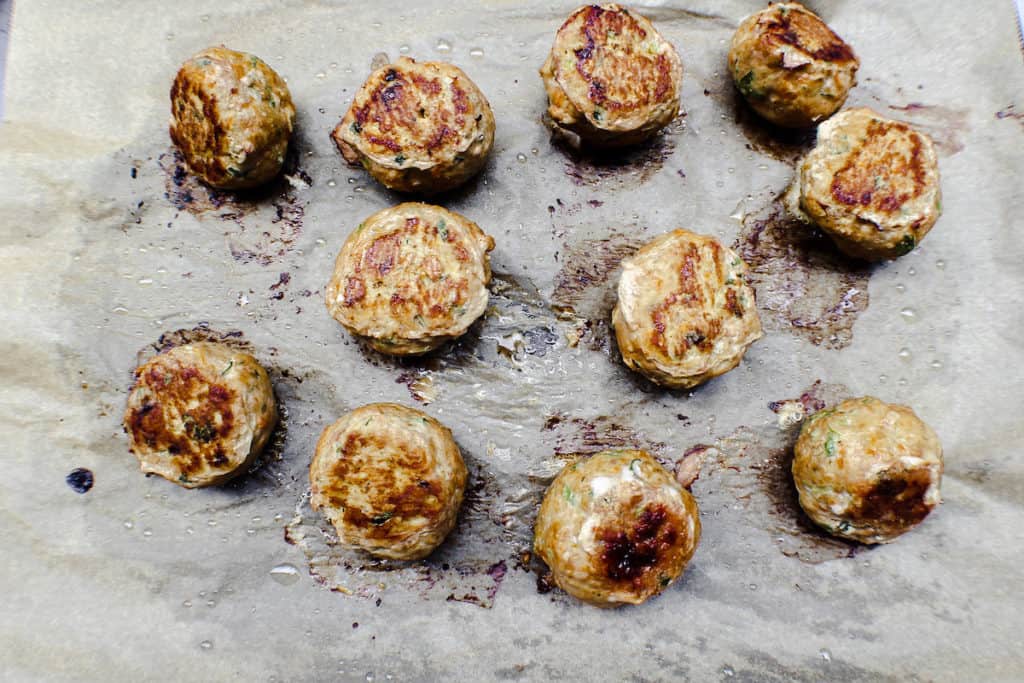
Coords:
pixel 940 264
pixel 900 287
pixel 911 272
pixel 206 645
pixel 212 522
pixel 936 364
pixel 902 381
pixel 404 49
pixel 204 18
pixel 211 603
pixel 187 603
pixel 521 158
pixel 909 314
pixel 753 586
pixel 825 654
pixel 882 379
pixel 147 532
pixel 321 74
pixel 904 353
pixel 728 671
pixel 476 52
pixel 129 524
pixel 332 183
pixel 285 574
pixel 443 45
pixel 145 280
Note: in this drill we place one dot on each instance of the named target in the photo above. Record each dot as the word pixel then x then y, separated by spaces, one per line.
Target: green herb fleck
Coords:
pixel 634 467
pixel 568 494
pixel 183 479
pixel 203 62
pixel 356 128
pixel 368 421
pixel 938 204
pixel 664 580
pixel 822 413
pixel 419 320
pixel 442 229
pixel 377 520
pixel 598 113
pixel 746 86
pixel 843 526
pixel 400 159
pixel 199 432
pixel 906 245
pixel 460 310
pixel 830 443
pixel 231 364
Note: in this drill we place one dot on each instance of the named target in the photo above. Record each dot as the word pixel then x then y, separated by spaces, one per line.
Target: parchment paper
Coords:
pixel 109 251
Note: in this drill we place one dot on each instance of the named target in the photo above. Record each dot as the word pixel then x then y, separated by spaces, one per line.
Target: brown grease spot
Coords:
pixel 804 285
pixel 896 500
pixel 622 168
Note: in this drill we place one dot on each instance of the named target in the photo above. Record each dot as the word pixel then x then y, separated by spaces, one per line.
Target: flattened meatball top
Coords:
pixel 198 414
pixel 685 312
pixel 610 66
pixel 790 66
pixel 390 479
pixel 411 117
pixel 872 183
pixel 411 277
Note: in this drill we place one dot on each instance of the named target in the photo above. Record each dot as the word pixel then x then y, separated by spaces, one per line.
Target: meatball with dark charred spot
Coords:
pixel 231 118
pixel 791 68
pixel 616 528
pixel 390 479
pixel 418 127
pixel 867 470
pixel 611 78
pixel 199 414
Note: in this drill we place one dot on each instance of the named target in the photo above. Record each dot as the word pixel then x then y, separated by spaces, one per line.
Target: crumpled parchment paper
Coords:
pixel 109 251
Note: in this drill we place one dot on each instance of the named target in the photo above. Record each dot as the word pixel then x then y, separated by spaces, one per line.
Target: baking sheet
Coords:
pixel 110 252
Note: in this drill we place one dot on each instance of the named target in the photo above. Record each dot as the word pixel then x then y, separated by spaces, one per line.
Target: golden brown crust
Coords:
pixel 390 479
pixel 611 78
pixel 790 66
pixel 616 528
pixel 410 278
pixel 231 118
pixel 871 183
pixel 198 414
pixel 685 313
pixel 418 127
pixel 867 470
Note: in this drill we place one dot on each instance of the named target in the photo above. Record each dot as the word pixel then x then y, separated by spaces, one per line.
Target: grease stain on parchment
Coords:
pixel 946 126
pixel 805 286
pixel 620 168
pixel 262 225
pixel 585 286
pixel 749 471
pixel 283 381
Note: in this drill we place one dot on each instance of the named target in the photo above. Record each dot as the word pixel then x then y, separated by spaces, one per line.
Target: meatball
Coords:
pixel 685 312
pixel 611 78
pixel 390 479
pixel 616 528
pixel 790 67
pixel 414 127
pixel 867 470
pixel 871 183
pixel 410 278
pixel 231 118
pixel 199 414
